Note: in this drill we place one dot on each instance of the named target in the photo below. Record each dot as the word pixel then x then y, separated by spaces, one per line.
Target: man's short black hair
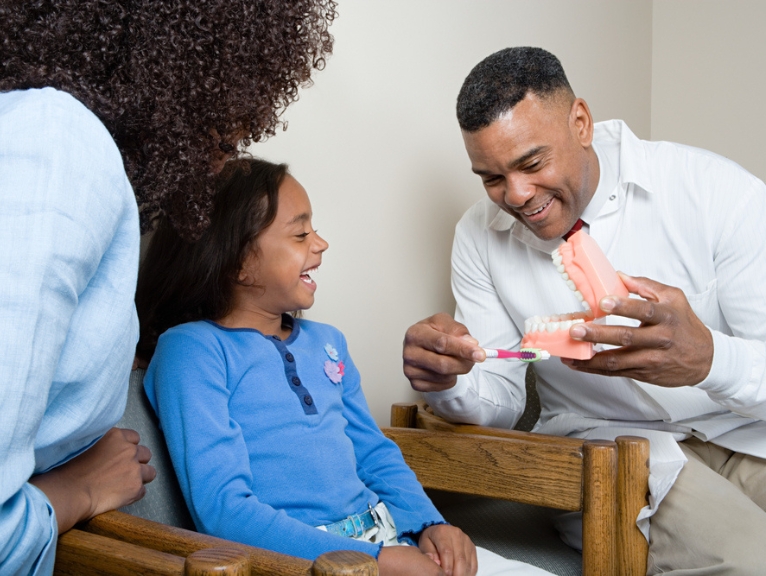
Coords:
pixel 503 79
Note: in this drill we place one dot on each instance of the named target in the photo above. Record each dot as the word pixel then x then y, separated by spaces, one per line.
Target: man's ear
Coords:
pixel 581 122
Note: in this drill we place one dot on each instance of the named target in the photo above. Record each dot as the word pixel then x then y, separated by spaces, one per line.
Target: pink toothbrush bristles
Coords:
pixel 523 355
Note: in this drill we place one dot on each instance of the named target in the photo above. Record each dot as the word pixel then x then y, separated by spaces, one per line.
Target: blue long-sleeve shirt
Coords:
pixel 69 241
pixel 267 447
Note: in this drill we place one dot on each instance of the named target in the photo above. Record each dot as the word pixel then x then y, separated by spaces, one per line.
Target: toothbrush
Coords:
pixel 523 355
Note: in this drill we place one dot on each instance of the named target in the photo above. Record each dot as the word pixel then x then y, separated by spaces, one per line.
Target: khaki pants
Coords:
pixel 713 520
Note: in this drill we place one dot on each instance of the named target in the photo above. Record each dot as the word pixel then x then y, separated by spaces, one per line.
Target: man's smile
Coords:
pixel 538 210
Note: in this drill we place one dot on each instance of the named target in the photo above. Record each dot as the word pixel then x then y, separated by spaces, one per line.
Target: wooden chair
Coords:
pixel 116 543
pixel 151 536
pixel 607 481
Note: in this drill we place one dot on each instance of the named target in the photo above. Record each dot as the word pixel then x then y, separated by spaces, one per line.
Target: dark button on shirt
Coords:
pixel 308 400
pixel 289 357
pixel 296 381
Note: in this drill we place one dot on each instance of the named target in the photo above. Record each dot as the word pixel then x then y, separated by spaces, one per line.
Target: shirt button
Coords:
pixel 289 357
pixel 276 337
pixel 612 197
pixel 308 400
pixel 296 381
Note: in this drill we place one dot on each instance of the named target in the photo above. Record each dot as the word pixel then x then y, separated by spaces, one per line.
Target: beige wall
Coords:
pixel 709 77
pixel 376 145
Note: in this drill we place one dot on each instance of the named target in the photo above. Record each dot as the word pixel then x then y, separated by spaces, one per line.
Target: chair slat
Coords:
pixel 534 473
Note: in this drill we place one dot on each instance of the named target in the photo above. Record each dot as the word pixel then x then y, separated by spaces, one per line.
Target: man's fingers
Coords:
pixel 628 363
pixel 426 338
pixel 647 336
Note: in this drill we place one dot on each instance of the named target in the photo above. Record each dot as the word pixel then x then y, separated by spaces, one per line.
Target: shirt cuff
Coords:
pixel 459 390
pixel 730 369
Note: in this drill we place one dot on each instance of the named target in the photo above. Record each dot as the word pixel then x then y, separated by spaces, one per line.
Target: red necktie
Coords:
pixel 575 228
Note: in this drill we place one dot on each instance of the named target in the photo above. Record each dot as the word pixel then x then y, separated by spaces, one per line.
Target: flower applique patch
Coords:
pixel 333 367
pixel 331 352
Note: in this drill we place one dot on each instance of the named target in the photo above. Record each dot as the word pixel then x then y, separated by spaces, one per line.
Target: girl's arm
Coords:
pixel 381 467
pixel 380 464
pixel 187 386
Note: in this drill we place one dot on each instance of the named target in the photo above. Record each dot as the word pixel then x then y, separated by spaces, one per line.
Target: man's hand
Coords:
pixel 436 350
pixel 671 347
pixel 450 548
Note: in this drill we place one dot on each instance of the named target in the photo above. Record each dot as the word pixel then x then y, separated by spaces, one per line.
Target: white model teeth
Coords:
pixel 557 322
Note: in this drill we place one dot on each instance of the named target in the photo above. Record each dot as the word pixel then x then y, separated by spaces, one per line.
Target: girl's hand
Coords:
pixel 449 547
pixel 108 475
pixel 406 561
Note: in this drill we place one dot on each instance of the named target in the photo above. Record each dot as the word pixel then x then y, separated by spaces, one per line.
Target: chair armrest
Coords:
pixel 118 533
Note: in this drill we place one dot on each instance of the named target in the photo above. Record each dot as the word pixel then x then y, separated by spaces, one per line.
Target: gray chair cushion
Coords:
pixel 163 501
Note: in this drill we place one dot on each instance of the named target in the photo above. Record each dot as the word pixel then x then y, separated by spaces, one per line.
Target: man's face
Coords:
pixel 537 164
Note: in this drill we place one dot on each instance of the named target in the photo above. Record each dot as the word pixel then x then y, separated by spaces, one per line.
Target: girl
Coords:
pixel 263 412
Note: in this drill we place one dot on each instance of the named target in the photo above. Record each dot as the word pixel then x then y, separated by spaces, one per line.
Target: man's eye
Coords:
pixel 533 167
pixel 303 236
pixel 491 180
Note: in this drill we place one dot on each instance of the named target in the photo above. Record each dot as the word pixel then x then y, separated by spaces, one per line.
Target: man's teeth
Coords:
pixel 540 209
pixel 551 323
pixel 558 263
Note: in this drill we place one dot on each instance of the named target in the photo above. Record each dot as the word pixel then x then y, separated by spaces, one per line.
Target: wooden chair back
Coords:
pixel 605 480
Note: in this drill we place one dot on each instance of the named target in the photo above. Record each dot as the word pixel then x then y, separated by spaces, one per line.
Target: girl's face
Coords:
pixel 277 274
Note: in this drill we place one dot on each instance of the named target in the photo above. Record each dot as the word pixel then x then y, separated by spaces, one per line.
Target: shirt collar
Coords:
pixel 633 163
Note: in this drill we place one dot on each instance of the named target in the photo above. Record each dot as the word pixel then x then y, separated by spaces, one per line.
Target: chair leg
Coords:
pixel 633 486
pixel 599 554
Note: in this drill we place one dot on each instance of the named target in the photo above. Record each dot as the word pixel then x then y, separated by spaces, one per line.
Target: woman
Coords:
pixel 100 101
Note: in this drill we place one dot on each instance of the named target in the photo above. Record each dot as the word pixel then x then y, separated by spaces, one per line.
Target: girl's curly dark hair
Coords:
pixel 176 82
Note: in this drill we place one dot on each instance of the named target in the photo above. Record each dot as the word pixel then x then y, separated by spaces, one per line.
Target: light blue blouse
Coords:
pixel 69 242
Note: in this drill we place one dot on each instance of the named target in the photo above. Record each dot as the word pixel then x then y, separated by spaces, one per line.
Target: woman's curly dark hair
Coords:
pixel 176 82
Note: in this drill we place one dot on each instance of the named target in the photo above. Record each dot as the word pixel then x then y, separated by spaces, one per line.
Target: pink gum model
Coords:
pixel 586 270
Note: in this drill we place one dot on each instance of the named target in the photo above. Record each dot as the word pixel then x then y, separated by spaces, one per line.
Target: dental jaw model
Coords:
pixel 586 270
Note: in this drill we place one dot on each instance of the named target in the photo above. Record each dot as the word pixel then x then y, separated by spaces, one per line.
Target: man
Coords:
pixel 686 365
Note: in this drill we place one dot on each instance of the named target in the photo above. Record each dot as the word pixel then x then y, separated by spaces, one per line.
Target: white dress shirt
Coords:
pixel 678 215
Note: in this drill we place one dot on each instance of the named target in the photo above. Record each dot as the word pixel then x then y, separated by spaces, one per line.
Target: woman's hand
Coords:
pixel 449 547
pixel 406 561
pixel 108 475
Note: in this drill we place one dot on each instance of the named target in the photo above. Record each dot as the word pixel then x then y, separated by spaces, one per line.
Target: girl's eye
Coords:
pixel 304 235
